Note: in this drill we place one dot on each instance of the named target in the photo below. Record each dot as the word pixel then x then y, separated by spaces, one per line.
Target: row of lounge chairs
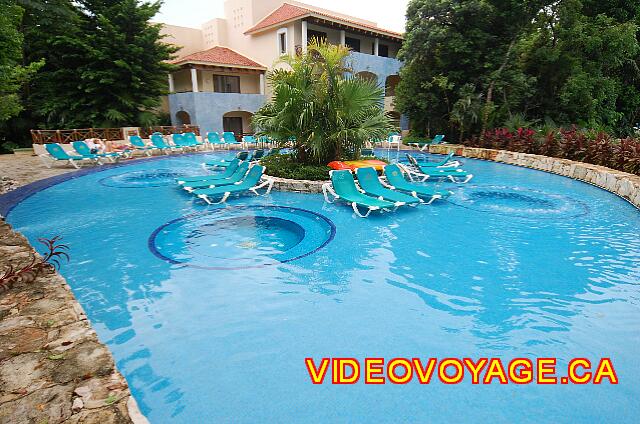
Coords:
pixel 244 155
pixel 81 154
pixel 228 139
pixel 373 193
pixel 239 177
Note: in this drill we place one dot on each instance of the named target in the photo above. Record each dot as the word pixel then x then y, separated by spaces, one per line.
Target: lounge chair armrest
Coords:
pixel 328 189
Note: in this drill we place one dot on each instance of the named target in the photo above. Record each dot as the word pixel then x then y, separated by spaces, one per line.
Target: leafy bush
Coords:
pixel 328 113
pixel 285 166
pixel 597 148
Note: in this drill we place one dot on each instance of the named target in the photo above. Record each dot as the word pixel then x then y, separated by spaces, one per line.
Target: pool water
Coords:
pixel 211 310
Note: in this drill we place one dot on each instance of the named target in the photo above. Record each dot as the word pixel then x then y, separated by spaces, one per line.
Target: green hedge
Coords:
pixel 284 166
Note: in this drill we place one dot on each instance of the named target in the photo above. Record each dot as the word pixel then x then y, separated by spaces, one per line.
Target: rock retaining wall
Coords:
pixel 302 186
pixel 621 183
pixel 53 368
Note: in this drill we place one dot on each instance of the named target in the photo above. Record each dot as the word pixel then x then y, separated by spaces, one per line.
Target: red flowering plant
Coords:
pixel 572 143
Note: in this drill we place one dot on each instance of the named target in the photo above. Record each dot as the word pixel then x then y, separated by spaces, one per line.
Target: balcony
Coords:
pixel 379 65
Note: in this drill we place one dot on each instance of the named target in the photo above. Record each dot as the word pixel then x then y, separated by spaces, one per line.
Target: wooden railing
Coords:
pixel 109 134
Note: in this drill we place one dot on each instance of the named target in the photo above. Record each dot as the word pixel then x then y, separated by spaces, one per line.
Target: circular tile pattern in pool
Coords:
pixel 241 237
pixel 518 202
pixel 141 179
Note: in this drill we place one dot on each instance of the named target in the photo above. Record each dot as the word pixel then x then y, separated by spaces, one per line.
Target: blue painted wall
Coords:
pixel 207 109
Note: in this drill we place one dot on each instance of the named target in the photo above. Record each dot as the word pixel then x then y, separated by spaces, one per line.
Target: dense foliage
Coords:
pixel 287 166
pixel 317 103
pixel 104 64
pixel 477 64
pixel 593 147
pixel 12 72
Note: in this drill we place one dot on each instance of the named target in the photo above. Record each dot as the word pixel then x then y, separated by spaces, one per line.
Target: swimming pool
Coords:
pixel 210 311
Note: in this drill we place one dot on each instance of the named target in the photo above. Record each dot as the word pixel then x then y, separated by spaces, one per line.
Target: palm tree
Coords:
pixel 318 103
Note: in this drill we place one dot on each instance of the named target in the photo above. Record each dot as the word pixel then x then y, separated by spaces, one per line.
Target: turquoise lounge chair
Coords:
pixel 244 155
pixel 233 165
pixel 396 181
pixel 159 143
pixel 234 178
pixel 180 140
pixel 214 139
pixel 258 154
pixel 423 145
pixel 253 182
pixel 249 140
pixel 447 162
pixel 265 141
pixel 139 145
pixel 229 138
pixel 83 149
pixel 343 186
pixel 367 152
pixel 57 153
pixel 369 182
pixel 423 173
pixel 192 140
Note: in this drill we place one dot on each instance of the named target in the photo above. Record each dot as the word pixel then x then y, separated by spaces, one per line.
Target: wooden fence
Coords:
pixel 109 134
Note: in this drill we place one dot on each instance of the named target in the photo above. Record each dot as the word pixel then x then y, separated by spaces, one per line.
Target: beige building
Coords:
pixel 221 81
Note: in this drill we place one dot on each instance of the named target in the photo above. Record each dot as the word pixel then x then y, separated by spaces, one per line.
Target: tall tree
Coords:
pixel 106 66
pixel 471 64
pixel 585 62
pixel 454 48
pixel 12 72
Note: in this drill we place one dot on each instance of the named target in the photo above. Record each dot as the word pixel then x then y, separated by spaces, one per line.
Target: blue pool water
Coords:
pixel 210 311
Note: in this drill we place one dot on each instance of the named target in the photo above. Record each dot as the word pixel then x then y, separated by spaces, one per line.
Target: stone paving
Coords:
pixel 53 368
pixel 19 170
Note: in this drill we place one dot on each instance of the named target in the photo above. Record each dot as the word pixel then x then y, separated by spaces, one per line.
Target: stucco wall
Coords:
pixel 207 109
pixel 189 39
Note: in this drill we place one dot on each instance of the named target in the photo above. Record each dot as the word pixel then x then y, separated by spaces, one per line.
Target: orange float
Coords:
pixel 355 164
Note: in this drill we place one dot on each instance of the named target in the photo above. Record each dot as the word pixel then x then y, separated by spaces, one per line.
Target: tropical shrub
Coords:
pixel 287 166
pixel 598 148
pixel 328 113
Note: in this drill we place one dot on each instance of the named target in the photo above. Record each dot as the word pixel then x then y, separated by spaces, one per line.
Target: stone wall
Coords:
pixel 301 186
pixel 621 183
pixel 53 368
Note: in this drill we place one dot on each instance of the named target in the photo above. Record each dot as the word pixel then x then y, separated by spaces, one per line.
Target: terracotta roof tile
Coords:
pixel 219 56
pixel 283 13
pixel 287 12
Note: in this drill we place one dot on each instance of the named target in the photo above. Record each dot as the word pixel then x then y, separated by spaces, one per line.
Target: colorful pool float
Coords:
pixel 355 164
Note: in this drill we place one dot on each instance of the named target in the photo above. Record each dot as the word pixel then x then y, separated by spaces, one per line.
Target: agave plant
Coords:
pixel 318 103
pixel 56 251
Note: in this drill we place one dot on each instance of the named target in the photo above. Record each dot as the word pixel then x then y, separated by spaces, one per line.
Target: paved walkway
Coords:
pixel 53 368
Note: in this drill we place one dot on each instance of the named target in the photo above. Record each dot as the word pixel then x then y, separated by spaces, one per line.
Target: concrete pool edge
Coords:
pixel 622 184
pixel 53 367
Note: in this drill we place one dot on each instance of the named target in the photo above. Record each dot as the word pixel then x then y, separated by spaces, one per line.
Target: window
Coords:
pixel 352 43
pixel 226 84
pixel 318 35
pixel 283 41
pixel 383 50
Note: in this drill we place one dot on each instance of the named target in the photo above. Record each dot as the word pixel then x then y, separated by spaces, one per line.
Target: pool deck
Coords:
pixel 53 368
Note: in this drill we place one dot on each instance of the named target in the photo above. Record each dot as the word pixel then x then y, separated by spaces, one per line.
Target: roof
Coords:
pixel 289 12
pixel 222 56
